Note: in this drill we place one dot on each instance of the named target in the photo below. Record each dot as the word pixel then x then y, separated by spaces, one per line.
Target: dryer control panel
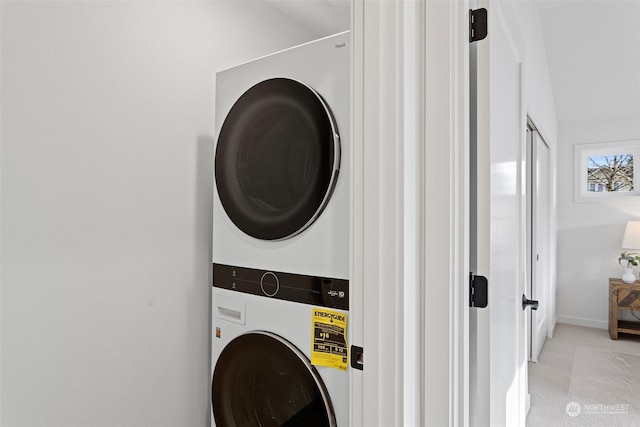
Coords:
pixel 320 291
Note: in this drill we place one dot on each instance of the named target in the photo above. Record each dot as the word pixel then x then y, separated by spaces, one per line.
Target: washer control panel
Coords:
pixel 320 291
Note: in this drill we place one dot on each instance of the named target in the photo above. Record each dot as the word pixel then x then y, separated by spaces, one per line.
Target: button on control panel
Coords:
pixel 269 284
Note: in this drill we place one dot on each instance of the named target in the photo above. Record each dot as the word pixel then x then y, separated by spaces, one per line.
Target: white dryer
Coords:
pixel 281 239
pixel 281 193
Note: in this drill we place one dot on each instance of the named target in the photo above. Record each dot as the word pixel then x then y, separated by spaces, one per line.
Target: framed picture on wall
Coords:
pixel 607 170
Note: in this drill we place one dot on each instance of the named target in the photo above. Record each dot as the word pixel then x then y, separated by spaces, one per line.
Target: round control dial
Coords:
pixel 269 284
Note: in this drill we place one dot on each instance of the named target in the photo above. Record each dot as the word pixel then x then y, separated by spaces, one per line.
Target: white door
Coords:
pixel 498 331
pixel 539 242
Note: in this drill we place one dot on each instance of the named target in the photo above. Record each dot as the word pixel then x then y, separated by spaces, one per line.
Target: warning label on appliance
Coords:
pixel 329 347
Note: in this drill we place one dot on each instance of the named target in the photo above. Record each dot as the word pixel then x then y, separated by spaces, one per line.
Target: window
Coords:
pixel 607 170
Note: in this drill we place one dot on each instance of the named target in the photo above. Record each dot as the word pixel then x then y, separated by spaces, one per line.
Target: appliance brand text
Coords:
pixel 338 317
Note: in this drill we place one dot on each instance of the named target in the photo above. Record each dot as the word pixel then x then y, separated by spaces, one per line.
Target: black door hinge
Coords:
pixel 357 361
pixel 477 24
pixel 478 291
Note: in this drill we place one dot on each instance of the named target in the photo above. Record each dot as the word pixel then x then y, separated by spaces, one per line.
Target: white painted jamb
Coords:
pixel 409 236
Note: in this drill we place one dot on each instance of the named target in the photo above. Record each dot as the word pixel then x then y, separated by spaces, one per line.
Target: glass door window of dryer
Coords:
pixel 262 380
pixel 277 159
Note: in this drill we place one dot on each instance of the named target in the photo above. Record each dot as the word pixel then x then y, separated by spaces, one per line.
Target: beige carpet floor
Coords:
pixel 583 378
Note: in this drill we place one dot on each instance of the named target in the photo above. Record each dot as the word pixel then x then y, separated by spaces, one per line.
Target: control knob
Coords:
pixel 269 284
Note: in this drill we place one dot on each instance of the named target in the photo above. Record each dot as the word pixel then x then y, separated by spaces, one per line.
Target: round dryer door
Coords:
pixel 263 380
pixel 277 159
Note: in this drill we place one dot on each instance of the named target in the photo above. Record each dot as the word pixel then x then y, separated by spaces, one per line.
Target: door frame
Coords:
pixel 410 213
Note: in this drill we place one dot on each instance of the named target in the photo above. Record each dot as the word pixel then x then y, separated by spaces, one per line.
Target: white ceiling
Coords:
pixel 593 51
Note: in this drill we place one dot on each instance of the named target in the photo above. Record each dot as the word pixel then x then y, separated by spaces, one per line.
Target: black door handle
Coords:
pixel 533 303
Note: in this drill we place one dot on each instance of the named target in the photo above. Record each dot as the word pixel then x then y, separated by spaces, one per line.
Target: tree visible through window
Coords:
pixel 610 173
pixel 607 170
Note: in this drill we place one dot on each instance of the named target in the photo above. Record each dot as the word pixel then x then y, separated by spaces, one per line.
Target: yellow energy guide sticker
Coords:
pixel 329 347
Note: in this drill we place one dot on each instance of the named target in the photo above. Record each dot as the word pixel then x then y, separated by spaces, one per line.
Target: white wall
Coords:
pixel 539 92
pixel 540 104
pixel 107 144
pixel 589 233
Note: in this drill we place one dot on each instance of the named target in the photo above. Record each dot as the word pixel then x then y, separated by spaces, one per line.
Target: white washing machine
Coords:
pixel 263 348
pixel 281 239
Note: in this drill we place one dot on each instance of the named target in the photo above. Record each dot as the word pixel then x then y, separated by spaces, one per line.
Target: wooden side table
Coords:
pixel 623 296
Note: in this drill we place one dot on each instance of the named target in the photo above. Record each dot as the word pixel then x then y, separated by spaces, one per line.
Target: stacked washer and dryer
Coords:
pixel 281 239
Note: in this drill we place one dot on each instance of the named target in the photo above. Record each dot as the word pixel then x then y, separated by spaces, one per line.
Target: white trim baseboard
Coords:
pixel 581 321
pixel 552 328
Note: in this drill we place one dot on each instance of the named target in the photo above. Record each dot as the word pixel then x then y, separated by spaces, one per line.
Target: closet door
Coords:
pixel 539 242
